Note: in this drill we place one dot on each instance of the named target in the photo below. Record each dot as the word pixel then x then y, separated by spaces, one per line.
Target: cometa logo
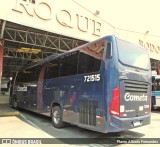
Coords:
pixel 130 97
pixel 22 88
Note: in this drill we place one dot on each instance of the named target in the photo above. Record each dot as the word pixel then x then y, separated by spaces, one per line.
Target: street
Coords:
pixel 43 123
pixel 71 131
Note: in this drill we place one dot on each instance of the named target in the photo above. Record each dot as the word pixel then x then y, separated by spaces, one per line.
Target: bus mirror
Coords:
pixel 109 50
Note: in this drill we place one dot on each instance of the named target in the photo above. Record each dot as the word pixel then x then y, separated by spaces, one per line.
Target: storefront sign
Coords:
pixel 150 46
pixel 47 11
pixel 69 19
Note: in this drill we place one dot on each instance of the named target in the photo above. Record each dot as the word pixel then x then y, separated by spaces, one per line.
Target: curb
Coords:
pixel 9 113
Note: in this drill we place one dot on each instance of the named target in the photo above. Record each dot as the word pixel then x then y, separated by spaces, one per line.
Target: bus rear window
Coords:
pixel 132 55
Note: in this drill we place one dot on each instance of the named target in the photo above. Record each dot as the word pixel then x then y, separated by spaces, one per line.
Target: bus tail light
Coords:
pixel 114 107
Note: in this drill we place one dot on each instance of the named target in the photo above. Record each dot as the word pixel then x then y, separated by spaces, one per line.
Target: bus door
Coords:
pixel 27 87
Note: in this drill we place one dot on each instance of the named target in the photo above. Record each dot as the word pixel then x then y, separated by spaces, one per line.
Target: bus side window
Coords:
pixel 88 64
pixel 23 76
pixel 69 64
pixel 52 70
pixel 109 50
pixel 28 75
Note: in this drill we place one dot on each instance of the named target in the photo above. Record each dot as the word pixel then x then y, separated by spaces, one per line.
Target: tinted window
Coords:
pixel 69 64
pixel 132 55
pixel 88 64
pixel 29 75
pixel 72 64
pixel 52 69
pixel 156 83
pixel 64 66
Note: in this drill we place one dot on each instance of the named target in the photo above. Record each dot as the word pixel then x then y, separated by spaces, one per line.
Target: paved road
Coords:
pixel 44 124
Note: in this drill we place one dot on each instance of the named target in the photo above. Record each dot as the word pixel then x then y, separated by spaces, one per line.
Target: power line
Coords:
pixel 93 13
pixel 136 32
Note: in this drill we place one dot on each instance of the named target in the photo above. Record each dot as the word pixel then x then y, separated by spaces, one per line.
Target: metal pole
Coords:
pixel 2 29
pixel 1 48
pixel 1 59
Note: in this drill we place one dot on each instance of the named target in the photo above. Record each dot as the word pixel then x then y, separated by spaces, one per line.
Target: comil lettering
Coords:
pixel 130 97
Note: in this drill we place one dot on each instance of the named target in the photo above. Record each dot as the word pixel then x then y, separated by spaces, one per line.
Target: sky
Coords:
pixel 134 15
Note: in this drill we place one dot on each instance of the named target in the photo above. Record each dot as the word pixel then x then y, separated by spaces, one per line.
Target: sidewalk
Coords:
pixel 16 127
pixel 5 109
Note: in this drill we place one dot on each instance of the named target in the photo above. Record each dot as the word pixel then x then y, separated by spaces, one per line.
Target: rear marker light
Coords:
pixel 114 107
pixel 122 108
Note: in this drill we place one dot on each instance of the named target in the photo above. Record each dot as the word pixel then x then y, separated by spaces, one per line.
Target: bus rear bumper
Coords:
pixel 121 124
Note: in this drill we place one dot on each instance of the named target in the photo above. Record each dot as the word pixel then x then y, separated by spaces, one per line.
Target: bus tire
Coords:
pixel 56 115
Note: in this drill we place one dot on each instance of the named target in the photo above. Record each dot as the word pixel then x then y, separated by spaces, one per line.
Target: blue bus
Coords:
pixel 155 91
pixel 103 86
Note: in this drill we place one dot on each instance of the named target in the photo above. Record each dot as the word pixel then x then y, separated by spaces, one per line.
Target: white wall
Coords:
pixel 67 18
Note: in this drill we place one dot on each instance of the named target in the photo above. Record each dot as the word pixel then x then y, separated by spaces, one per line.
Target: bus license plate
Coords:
pixel 137 123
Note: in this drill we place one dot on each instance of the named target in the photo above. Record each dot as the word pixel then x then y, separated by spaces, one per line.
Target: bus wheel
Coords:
pixel 15 103
pixel 57 117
